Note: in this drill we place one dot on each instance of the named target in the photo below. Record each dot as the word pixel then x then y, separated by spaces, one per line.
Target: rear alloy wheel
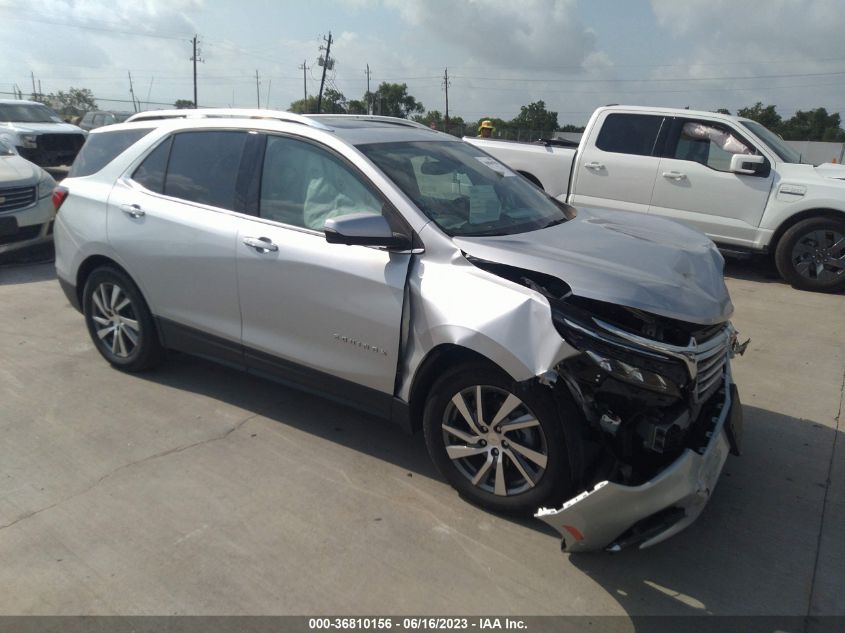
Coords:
pixel 119 321
pixel 498 443
pixel 811 255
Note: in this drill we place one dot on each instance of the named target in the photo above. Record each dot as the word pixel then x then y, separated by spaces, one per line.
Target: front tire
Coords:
pixel 811 255
pixel 499 443
pixel 119 321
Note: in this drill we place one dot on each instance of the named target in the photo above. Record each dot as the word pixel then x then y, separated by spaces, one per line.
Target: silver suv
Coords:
pixel 547 354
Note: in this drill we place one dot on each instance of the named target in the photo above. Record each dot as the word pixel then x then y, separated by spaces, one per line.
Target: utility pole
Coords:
pixel 132 91
pixel 196 58
pixel 304 84
pixel 34 92
pixel 446 86
pixel 269 85
pixel 257 93
pixel 326 63
pixel 369 96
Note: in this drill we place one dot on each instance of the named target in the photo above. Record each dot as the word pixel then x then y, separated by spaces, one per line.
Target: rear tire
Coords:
pixel 119 321
pixel 811 254
pixel 512 456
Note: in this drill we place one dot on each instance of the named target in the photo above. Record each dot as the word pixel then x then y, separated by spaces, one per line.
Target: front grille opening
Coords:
pixel 14 198
pixel 23 234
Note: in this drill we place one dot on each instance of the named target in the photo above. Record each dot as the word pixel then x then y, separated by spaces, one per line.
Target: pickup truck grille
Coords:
pixel 14 198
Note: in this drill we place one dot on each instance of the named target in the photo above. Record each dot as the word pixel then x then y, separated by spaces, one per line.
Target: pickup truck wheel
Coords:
pixel 811 254
pixel 119 321
pixel 498 443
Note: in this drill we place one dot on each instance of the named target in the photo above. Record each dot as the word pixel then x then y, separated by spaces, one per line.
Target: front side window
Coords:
pixel 629 134
pixel 710 144
pixel 303 185
pixel 204 166
pixel 464 191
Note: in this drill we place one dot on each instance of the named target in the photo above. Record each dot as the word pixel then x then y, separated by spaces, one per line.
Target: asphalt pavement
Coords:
pixel 195 489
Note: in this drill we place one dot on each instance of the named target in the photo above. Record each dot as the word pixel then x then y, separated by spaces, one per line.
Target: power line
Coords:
pixel 662 79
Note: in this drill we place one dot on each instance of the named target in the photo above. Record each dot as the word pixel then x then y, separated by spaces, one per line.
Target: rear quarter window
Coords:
pixel 101 149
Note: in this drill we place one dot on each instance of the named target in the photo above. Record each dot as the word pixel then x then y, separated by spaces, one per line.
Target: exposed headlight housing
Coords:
pixel 632 374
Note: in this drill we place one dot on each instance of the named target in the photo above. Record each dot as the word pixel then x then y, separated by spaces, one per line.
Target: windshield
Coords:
pixel 464 191
pixel 775 143
pixel 27 113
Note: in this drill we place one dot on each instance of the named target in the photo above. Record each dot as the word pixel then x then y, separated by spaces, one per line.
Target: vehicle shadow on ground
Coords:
pixel 29 267
pixel 753 550
pixel 307 412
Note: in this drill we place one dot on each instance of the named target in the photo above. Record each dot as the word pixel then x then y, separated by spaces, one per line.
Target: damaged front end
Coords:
pixel 661 415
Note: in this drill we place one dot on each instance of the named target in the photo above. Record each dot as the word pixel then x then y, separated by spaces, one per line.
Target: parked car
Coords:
pixel 39 134
pixel 26 210
pixel 99 118
pixel 727 176
pixel 546 354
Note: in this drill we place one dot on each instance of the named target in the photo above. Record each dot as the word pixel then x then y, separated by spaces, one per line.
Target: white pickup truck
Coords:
pixel 727 176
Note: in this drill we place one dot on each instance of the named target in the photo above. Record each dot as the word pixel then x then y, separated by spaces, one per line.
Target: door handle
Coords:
pixel 261 244
pixel 132 210
pixel 674 175
pixel 594 165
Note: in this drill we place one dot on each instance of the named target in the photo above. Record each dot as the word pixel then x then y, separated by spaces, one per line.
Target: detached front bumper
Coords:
pixel 614 516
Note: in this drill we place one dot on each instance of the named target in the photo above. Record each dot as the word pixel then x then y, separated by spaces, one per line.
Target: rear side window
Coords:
pixel 629 134
pixel 101 149
pixel 150 173
pixel 204 167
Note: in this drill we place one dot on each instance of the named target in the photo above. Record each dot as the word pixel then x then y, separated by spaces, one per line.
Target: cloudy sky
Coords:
pixel 500 54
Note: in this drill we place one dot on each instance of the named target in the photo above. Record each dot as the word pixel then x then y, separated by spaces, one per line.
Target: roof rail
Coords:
pixel 225 113
pixel 370 117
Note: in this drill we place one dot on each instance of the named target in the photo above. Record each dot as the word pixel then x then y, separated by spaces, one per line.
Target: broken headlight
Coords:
pixel 623 360
pixel 632 374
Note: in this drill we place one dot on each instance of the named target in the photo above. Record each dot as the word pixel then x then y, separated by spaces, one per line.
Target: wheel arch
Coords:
pixel 799 217
pixel 435 362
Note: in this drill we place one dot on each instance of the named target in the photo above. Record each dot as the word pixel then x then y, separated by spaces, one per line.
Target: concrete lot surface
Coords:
pixel 199 490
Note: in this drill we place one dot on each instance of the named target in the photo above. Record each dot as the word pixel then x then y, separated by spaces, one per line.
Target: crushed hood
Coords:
pixel 630 259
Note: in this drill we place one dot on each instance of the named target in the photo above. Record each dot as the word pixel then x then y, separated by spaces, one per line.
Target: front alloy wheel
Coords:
pixel 499 443
pixel 811 254
pixel 494 440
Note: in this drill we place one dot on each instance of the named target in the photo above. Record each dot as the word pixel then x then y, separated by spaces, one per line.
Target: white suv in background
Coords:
pixel 546 355
pixel 39 134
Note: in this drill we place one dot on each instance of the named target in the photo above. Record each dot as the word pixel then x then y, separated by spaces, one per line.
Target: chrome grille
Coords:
pixel 710 360
pixel 16 198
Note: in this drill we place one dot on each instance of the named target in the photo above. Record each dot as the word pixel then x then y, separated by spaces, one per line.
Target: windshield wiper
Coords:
pixel 554 223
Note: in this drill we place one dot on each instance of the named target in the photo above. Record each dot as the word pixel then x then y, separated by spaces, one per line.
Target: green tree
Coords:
pixel 534 116
pixel 304 106
pixel 723 111
pixel 73 103
pixel 572 128
pixel 356 106
pixel 334 102
pixel 764 115
pixel 183 104
pixel 394 100
pixel 813 125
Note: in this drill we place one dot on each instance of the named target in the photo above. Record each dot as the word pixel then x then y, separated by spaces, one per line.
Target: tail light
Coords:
pixel 59 195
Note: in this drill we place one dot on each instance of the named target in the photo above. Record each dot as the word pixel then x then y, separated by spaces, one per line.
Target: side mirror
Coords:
pixel 746 163
pixel 365 229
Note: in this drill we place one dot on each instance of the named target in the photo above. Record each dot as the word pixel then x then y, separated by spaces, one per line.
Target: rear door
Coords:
pixel 325 315
pixel 694 184
pixel 171 223
pixel 619 162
